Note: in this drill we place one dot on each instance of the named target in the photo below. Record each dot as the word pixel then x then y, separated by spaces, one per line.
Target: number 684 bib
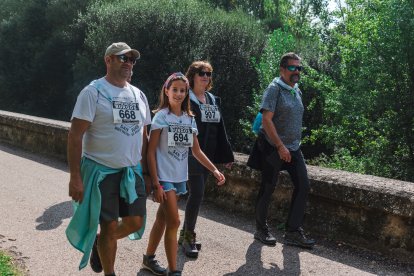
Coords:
pixel 179 135
pixel 210 113
pixel 126 112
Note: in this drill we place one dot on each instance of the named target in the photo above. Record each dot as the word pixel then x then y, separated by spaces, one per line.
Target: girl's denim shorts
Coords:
pixel 180 188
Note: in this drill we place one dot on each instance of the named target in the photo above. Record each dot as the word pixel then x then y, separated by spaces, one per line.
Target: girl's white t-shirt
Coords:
pixel 172 161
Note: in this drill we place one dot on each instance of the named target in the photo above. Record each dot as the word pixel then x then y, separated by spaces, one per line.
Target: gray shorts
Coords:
pixel 113 205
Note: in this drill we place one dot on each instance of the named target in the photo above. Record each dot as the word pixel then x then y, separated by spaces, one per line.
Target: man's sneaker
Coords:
pixel 181 239
pixel 174 273
pixel 151 264
pixel 298 238
pixel 95 261
pixel 189 244
pixel 264 236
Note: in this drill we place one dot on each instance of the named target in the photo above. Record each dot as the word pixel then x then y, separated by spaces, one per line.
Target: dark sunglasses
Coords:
pixel 203 73
pixel 124 59
pixel 293 68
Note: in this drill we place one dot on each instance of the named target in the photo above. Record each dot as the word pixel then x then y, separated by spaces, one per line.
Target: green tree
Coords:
pixel 373 112
pixel 170 35
pixel 314 84
pixel 267 67
pixel 36 56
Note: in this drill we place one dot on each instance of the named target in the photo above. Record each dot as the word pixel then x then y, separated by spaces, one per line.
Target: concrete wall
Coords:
pixel 367 211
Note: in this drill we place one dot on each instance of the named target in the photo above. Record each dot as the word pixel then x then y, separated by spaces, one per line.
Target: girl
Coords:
pixel 173 132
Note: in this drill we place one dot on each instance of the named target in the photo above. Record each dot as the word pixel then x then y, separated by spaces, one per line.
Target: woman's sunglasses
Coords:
pixel 203 73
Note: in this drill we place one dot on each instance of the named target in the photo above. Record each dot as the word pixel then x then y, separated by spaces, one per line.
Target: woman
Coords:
pixel 213 142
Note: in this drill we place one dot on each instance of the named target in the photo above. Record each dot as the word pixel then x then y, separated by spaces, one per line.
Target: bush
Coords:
pixel 170 35
pixel 51 49
pixel 36 57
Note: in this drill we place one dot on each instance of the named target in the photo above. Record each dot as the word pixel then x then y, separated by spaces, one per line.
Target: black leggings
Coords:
pixel 196 186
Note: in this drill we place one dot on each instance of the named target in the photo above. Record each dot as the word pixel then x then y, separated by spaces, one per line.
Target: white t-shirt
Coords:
pixel 172 161
pixel 116 145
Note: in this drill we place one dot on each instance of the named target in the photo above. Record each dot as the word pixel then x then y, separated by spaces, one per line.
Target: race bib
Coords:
pixel 126 112
pixel 209 113
pixel 179 135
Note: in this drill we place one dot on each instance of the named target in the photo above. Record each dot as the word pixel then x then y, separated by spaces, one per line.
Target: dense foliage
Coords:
pixel 370 120
pixel 170 35
pixel 36 56
pixel 44 65
pixel 358 83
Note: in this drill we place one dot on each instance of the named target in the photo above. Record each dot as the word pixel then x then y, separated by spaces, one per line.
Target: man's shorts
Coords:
pixel 113 205
pixel 180 188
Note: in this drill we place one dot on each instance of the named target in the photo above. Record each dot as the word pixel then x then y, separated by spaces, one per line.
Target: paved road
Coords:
pixel 35 210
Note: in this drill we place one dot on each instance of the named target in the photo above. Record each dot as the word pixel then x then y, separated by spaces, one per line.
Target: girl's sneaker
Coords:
pixel 151 264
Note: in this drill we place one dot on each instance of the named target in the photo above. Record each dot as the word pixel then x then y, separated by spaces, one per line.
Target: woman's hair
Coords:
pixel 195 68
pixel 163 99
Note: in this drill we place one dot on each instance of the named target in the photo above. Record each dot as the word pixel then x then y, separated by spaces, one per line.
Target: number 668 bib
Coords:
pixel 126 112
pixel 210 113
pixel 179 135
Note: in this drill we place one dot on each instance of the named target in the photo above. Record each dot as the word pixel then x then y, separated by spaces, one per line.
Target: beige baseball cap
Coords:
pixel 120 48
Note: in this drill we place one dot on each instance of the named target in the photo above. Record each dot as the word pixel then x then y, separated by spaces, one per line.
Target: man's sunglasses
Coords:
pixel 203 73
pixel 124 59
pixel 293 68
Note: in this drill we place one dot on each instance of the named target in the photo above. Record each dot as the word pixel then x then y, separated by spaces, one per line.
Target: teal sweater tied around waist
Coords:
pixel 82 229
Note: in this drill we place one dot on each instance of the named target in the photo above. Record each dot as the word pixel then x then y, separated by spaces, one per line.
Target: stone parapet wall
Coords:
pixel 367 211
pixel 38 135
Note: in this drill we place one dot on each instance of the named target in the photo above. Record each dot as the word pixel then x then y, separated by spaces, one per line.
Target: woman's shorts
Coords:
pixel 180 188
pixel 113 205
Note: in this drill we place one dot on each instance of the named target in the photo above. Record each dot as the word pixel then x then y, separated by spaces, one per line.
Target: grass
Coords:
pixel 6 266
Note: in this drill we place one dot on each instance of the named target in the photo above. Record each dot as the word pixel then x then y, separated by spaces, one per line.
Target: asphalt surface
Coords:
pixel 35 210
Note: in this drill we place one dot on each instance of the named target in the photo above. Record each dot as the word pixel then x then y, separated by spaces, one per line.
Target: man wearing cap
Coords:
pixel 107 160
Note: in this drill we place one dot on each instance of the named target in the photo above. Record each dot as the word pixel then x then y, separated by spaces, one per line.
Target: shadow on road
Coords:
pixel 254 264
pixel 345 254
pixel 54 215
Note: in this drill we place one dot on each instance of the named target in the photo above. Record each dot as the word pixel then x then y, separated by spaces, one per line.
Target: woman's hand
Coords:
pixel 219 176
